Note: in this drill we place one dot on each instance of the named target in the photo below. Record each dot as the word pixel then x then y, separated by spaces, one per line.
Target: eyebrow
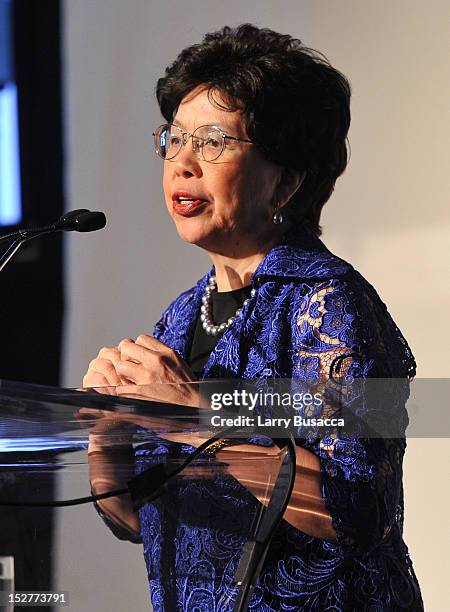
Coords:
pixel 226 129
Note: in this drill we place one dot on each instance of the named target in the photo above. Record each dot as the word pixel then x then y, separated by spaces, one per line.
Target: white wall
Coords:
pixel 388 215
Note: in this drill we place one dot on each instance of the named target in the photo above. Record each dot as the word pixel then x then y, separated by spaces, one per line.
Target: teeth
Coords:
pixel 186 200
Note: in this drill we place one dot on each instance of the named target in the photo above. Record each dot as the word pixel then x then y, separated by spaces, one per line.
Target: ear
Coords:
pixel 288 183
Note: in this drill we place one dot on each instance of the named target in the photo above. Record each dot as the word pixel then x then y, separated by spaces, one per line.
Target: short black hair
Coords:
pixel 296 106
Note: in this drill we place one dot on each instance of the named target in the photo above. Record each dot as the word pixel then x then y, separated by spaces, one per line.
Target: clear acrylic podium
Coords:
pixel 56 443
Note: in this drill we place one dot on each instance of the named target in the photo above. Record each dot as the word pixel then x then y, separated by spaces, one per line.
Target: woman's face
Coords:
pixel 238 190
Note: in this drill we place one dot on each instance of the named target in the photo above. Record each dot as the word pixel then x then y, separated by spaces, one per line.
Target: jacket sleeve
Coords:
pixel 164 326
pixel 119 530
pixel 162 329
pixel 342 331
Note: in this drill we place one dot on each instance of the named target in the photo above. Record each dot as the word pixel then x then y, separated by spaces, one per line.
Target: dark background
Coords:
pixel 31 308
pixel 32 301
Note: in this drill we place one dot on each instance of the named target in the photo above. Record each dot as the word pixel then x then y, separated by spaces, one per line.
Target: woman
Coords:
pixel 254 141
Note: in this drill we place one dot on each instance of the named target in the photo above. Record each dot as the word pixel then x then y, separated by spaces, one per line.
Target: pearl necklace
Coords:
pixel 210 328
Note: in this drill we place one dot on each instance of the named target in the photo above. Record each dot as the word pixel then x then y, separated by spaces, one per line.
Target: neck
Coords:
pixel 234 272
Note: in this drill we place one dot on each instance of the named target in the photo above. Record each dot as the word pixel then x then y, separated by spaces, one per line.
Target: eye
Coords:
pixel 229 143
pixel 174 141
pixel 213 142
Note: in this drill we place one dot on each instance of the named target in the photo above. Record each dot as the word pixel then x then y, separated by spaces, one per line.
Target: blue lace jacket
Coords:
pixel 310 311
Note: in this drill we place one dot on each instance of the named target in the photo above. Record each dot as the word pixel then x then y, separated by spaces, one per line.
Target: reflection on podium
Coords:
pixel 152 467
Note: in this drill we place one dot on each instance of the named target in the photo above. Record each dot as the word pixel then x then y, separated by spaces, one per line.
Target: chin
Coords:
pixel 191 233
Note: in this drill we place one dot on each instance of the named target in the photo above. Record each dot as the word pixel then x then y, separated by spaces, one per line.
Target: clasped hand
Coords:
pixel 145 362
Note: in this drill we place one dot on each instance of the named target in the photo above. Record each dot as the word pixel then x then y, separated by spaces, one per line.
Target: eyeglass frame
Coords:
pixel 185 133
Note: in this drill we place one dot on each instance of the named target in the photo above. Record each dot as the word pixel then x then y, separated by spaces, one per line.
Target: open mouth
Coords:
pixel 186 203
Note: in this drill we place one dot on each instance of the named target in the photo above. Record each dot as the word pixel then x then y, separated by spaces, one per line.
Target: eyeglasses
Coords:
pixel 208 141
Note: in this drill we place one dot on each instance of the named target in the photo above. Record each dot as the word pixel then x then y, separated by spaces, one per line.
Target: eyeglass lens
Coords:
pixel 207 142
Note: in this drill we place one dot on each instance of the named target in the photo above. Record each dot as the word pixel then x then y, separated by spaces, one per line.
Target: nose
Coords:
pixel 186 162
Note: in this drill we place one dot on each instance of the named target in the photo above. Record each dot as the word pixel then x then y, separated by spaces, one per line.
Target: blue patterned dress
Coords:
pixel 310 311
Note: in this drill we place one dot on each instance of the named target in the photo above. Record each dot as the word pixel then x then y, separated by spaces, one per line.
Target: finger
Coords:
pixel 131 371
pixel 94 379
pixel 89 414
pixel 146 391
pixel 126 389
pixel 153 344
pixel 113 354
pixel 125 348
pixel 83 415
pixel 106 368
pixel 124 342
pixel 91 411
pixel 133 352
pixel 110 353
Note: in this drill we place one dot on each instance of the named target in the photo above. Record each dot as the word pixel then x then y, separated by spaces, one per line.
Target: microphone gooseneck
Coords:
pixel 80 220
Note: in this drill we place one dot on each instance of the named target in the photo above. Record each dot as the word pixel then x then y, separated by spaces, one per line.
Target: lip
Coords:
pixel 188 209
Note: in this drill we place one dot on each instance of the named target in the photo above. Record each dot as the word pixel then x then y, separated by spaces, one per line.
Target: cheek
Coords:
pixel 165 181
pixel 167 189
pixel 251 192
pixel 232 187
pixel 260 182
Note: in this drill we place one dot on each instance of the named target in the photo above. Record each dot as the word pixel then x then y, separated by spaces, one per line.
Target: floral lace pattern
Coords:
pixel 313 316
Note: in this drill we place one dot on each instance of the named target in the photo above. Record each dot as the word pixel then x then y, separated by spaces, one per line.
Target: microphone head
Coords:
pixel 66 221
pixel 89 222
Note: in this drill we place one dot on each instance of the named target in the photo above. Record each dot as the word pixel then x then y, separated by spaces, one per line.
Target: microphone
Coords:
pixel 66 220
pixel 79 220
pixel 88 222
